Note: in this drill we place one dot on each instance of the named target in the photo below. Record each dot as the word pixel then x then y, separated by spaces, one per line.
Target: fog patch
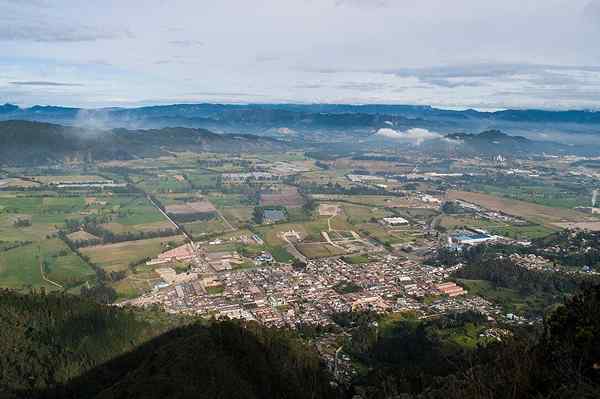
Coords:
pixel 414 136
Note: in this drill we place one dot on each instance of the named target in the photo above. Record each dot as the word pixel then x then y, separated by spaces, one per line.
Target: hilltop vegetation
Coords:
pixel 35 143
pixel 55 345
pixel 62 346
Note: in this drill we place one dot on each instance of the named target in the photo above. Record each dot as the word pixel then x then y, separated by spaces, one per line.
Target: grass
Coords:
pixel 510 300
pixel 238 216
pixel 535 213
pixel 319 250
pixel 356 259
pixel 20 267
pixel 221 200
pixel 357 214
pixel 200 228
pixel 214 290
pixel 119 228
pixel 527 231
pixel 383 235
pixel 116 257
pixel 547 194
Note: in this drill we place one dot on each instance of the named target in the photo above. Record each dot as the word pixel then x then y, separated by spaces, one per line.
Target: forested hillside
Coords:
pixel 58 346
pixel 35 143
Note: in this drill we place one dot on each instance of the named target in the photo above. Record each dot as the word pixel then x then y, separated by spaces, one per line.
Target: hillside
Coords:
pixel 58 346
pixel 37 143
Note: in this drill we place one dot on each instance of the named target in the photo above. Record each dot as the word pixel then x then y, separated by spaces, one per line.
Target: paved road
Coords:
pixel 169 219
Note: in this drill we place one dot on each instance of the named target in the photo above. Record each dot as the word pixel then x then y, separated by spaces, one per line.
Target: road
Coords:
pixel 187 236
pixel 47 279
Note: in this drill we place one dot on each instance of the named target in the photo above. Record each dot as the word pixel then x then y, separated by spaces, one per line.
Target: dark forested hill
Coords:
pixel 59 346
pixel 36 143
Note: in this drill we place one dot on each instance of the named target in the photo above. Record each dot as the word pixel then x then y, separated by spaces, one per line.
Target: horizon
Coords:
pixel 250 104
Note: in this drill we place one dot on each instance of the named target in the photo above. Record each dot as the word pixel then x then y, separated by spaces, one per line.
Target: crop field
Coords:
pixel 20 267
pixel 386 236
pixel 369 200
pixel 202 180
pixel 17 183
pixel 536 213
pixel 119 228
pixel 238 216
pixel 288 197
pixel 546 194
pixel 319 250
pixel 81 236
pixel 221 200
pixel 163 183
pixel 117 257
pixel 358 214
pixel 200 228
pixel 528 231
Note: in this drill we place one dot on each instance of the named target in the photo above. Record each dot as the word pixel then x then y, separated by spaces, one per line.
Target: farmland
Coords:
pixel 117 257
pixel 529 211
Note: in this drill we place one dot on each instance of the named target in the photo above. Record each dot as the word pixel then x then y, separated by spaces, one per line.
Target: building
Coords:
pixel 395 221
pixel 470 237
pixel 450 289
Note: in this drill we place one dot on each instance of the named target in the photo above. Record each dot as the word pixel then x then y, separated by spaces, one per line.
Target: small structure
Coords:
pixel 450 289
pixel 264 257
pixel 395 221
pixel 470 237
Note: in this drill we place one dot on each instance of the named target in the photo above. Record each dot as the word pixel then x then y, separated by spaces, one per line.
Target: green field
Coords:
pixel 548 194
pixel 20 267
pixel 117 257
pixel 356 259
pixel 510 300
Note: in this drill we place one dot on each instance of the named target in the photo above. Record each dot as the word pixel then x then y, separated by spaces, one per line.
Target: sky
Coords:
pixel 482 54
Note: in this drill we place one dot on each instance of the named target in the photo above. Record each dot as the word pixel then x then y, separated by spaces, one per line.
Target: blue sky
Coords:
pixel 454 54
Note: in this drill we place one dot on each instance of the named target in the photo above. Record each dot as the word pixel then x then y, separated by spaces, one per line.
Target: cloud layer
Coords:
pixel 460 54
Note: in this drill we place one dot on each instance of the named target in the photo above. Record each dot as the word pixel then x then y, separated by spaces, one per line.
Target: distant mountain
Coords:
pixel 35 143
pixel 263 118
pixel 493 142
pixel 299 112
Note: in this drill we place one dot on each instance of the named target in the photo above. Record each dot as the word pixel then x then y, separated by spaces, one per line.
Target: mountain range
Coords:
pixel 262 118
pixel 40 143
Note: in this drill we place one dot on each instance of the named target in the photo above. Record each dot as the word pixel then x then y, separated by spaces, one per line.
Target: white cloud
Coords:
pixel 414 136
pixel 279 51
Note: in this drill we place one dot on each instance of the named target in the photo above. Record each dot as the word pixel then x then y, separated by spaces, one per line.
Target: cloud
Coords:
pixel 43 83
pixel 43 32
pixel 187 43
pixel 267 58
pixel 45 22
pixel 415 136
pixel 362 3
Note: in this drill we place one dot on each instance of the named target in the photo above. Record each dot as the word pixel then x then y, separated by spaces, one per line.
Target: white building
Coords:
pixel 395 221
